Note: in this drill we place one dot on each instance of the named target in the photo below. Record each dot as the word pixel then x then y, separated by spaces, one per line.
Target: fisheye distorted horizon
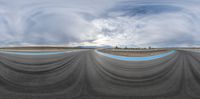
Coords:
pixel 133 23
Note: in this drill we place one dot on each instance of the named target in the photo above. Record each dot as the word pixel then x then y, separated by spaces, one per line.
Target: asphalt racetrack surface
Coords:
pixel 89 75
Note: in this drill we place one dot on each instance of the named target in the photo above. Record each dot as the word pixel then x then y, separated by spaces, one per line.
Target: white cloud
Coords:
pixel 98 22
pixel 158 30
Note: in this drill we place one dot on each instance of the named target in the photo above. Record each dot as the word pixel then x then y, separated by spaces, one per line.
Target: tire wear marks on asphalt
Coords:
pixel 89 75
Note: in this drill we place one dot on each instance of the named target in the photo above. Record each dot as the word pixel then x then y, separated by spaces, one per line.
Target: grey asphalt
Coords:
pixel 88 75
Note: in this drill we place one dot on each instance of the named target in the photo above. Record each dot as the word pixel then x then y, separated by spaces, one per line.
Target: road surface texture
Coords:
pixel 89 75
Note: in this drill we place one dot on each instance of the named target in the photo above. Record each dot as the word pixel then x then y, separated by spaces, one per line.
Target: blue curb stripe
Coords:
pixel 136 58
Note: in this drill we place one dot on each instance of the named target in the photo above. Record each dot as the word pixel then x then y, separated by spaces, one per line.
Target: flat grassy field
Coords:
pixel 134 53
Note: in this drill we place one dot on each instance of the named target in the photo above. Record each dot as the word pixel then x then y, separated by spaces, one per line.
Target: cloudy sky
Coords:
pixel 132 23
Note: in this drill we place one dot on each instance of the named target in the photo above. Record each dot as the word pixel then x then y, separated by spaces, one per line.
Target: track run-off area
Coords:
pixel 88 74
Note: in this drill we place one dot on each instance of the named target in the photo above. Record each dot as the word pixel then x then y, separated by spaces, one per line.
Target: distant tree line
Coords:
pixel 116 47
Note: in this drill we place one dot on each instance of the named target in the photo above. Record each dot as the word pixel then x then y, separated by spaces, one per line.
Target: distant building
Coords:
pixel 125 47
pixel 149 47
